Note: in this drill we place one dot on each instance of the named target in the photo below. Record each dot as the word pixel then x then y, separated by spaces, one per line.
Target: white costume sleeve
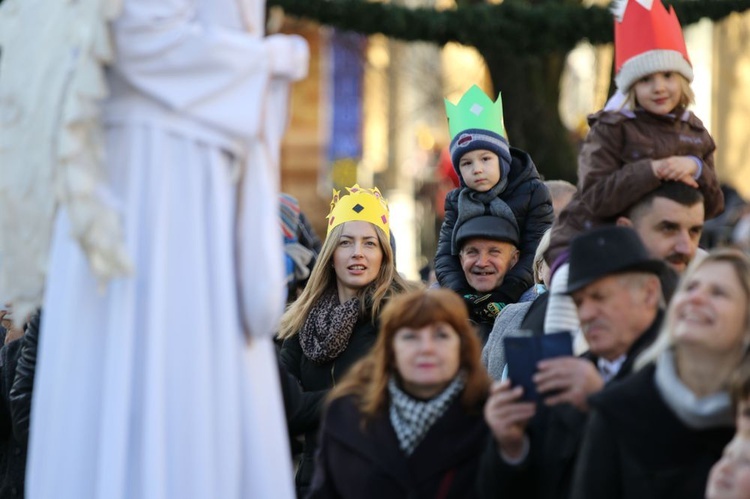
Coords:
pixel 243 90
pixel 218 75
pixel 51 84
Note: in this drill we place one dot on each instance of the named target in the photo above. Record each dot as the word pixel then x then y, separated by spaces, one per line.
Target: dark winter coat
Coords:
pixel 316 380
pixel 636 448
pixel 534 318
pixel 12 449
pixel 555 435
pixel 529 199
pixel 23 384
pixel 614 169
pixel 367 463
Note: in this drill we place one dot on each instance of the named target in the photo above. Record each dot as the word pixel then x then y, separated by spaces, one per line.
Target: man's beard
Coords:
pixel 677 258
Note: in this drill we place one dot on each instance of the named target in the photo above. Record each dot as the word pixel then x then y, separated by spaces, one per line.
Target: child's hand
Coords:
pixel 677 168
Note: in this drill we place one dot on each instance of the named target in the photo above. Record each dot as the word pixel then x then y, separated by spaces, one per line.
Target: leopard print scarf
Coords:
pixel 328 327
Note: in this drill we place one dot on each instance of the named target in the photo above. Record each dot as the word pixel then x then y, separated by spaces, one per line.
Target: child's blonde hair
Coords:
pixel 687 96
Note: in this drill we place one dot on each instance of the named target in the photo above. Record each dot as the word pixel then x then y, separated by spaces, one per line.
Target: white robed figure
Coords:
pixel 158 262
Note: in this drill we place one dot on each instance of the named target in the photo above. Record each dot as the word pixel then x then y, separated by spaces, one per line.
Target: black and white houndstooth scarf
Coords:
pixel 328 327
pixel 412 418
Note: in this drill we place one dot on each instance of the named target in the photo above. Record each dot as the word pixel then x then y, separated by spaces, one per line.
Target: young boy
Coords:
pixel 495 179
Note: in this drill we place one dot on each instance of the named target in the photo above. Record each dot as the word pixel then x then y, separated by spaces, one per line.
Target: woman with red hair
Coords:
pixel 407 419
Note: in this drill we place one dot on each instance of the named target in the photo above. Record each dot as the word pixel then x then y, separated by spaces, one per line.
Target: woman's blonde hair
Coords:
pixel 741 265
pixel 368 379
pixel 687 96
pixel 323 279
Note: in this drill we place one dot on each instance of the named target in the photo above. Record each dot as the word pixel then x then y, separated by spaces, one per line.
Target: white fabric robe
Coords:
pixel 147 387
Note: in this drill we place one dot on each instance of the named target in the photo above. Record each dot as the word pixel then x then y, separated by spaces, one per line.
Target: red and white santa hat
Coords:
pixel 648 39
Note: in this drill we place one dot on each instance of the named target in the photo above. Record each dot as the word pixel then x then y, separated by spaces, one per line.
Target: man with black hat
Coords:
pixel 488 249
pixel 615 285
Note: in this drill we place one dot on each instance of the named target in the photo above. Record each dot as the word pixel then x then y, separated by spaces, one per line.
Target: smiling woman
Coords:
pixel 658 433
pixel 407 419
pixel 334 321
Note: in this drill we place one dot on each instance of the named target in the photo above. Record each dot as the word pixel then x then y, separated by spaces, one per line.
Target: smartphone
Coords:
pixel 524 353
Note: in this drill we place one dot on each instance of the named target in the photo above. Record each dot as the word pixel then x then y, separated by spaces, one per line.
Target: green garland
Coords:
pixel 519 27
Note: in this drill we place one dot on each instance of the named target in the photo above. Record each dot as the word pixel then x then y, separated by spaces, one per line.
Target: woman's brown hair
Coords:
pixel 368 379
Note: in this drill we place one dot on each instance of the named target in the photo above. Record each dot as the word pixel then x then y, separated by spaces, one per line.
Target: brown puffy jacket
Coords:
pixel 614 168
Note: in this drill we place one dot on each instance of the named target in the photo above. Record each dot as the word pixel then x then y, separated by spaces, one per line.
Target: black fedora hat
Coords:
pixel 605 251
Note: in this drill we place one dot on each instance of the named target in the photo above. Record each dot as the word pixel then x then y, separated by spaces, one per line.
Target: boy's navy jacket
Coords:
pixel 529 199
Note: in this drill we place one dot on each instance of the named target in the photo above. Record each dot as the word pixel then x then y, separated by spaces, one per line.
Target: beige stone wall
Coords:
pixel 731 110
pixel 304 146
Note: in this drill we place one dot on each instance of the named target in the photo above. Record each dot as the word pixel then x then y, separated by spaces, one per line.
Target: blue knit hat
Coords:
pixel 476 122
pixel 475 138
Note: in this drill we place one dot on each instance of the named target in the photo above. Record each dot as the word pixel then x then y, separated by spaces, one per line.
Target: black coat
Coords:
pixel 12 449
pixel 316 380
pixel 635 447
pixel 555 435
pixel 529 199
pixel 367 463
pixel 535 315
pixel 23 384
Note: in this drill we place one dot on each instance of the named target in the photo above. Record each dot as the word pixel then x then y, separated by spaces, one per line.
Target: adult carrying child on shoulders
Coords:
pixel 498 180
pixel 645 135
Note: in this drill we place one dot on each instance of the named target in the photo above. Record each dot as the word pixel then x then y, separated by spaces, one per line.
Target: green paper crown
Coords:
pixel 475 110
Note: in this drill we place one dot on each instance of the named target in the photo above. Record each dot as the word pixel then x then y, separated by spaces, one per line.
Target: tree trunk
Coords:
pixel 530 87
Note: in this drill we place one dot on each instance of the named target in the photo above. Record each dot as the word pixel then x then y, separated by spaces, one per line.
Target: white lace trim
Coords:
pixel 53 85
pixel 80 155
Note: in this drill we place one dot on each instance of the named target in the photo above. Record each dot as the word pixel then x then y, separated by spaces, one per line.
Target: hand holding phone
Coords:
pixel 524 353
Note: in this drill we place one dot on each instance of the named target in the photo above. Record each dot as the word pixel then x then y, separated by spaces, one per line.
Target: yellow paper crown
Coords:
pixel 367 205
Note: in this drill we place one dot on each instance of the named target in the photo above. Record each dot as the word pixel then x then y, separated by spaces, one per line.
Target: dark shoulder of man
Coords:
pixel 534 318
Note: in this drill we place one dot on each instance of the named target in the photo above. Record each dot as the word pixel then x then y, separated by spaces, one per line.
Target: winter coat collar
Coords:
pixel 699 413
pixel 451 440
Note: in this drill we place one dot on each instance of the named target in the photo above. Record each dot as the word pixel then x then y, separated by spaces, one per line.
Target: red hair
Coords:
pixel 368 379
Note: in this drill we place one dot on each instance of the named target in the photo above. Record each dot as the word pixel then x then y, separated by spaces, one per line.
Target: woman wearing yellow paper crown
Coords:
pixel 334 321
pixel 498 180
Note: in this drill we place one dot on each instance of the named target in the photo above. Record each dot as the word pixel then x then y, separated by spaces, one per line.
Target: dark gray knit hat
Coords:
pixel 492 227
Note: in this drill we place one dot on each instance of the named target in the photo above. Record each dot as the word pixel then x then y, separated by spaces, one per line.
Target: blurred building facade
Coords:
pixel 401 127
